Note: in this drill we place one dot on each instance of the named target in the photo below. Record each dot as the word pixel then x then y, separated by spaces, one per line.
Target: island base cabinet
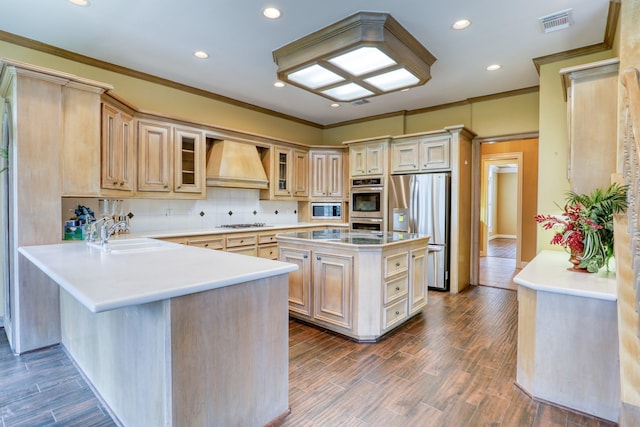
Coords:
pixel 214 358
pixel 299 281
pixel 333 283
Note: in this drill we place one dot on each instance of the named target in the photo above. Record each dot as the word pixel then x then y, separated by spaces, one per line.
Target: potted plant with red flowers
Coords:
pixel 585 228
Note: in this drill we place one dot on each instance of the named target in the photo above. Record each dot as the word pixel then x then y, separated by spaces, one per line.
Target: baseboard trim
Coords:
pixel 503 236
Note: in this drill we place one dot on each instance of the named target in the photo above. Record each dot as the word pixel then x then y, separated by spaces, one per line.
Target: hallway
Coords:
pixel 498 268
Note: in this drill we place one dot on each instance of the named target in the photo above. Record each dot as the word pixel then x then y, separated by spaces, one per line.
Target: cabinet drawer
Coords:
pixel 394 264
pixel 213 243
pixel 251 250
pixel 268 251
pixel 394 313
pixel 267 238
pixel 235 241
pixel 395 289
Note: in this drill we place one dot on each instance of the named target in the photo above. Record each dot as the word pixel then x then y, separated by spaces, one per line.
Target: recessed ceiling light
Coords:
pixel 271 13
pixel 201 54
pixel 335 105
pixel 461 24
pixel 494 67
pixel 278 84
pixel 80 2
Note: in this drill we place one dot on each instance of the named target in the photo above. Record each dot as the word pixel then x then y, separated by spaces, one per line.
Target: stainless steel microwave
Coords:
pixel 326 210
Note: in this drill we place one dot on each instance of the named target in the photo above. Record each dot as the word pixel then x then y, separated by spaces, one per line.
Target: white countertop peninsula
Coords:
pixel 568 336
pixel 359 284
pixel 173 335
pixel 102 281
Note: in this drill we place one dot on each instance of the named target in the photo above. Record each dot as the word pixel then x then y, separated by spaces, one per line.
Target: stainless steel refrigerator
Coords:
pixel 419 203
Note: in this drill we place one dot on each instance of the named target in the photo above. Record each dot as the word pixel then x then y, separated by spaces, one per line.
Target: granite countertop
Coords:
pixel 103 280
pixel 355 238
pixel 548 272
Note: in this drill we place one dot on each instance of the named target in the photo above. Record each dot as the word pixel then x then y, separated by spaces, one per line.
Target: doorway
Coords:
pixel 504 207
pixel 500 219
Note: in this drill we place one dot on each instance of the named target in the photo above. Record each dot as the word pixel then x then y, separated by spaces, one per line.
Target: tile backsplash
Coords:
pixel 221 207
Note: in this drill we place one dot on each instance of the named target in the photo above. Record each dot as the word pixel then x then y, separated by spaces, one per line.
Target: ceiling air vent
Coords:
pixel 360 102
pixel 556 21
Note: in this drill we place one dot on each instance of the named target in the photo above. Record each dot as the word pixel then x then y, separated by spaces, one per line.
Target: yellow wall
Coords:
pixel 494 117
pixel 552 181
pixel 157 98
pixel 507 218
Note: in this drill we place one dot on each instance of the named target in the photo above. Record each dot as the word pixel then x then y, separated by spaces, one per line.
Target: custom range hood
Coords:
pixel 235 164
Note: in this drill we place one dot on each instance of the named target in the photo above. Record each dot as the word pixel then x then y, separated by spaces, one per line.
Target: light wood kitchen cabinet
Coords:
pixel 267 246
pixel 171 159
pixel 288 172
pixel 434 153
pixel 215 243
pixel 154 156
pixel 245 244
pixel 189 161
pixel 299 280
pixel 118 150
pixel 368 158
pixel 327 174
pixel 424 154
pixel 418 272
pixel 592 123
pixel 333 288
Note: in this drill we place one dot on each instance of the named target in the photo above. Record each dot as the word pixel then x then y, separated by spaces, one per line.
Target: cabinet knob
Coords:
pixel 305 256
pixel 397 313
pixel 413 255
pixel 397 264
pixel 121 183
pixel 397 288
pixel 166 186
pixel 206 245
pixel 318 258
pixel 179 186
pixel 241 241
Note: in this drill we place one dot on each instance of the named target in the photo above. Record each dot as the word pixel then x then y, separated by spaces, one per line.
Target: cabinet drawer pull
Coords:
pixel 305 256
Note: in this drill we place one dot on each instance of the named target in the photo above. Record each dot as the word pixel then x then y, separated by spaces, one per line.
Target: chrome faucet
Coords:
pixel 106 231
pixel 92 232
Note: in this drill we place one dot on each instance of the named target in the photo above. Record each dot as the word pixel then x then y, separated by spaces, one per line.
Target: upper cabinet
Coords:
pixel 592 124
pixel 327 174
pixel 367 158
pixel 170 159
pixel 189 161
pixel 118 150
pixel 420 154
pixel 154 156
pixel 288 172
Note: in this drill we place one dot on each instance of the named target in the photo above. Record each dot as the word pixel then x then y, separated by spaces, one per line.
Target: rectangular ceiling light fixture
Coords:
pixel 364 55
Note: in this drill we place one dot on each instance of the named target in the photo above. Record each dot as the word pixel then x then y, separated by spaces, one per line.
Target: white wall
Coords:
pixel 162 215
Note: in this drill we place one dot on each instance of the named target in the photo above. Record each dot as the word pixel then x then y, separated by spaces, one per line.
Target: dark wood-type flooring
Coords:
pixel 453 365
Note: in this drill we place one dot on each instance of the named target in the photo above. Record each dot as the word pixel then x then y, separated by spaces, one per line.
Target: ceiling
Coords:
pixel 158 37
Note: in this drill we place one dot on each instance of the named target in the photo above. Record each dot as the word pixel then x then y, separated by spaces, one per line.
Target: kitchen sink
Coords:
pixel 134 245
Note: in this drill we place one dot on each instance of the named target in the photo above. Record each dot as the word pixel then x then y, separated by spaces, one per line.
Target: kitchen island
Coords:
pixel 359 284
pixel 172 335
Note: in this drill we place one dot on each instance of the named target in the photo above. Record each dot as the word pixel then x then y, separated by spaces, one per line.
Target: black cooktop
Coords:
pixel 255 224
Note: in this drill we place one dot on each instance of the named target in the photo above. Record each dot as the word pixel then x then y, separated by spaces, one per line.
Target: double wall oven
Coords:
pixel 366 210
